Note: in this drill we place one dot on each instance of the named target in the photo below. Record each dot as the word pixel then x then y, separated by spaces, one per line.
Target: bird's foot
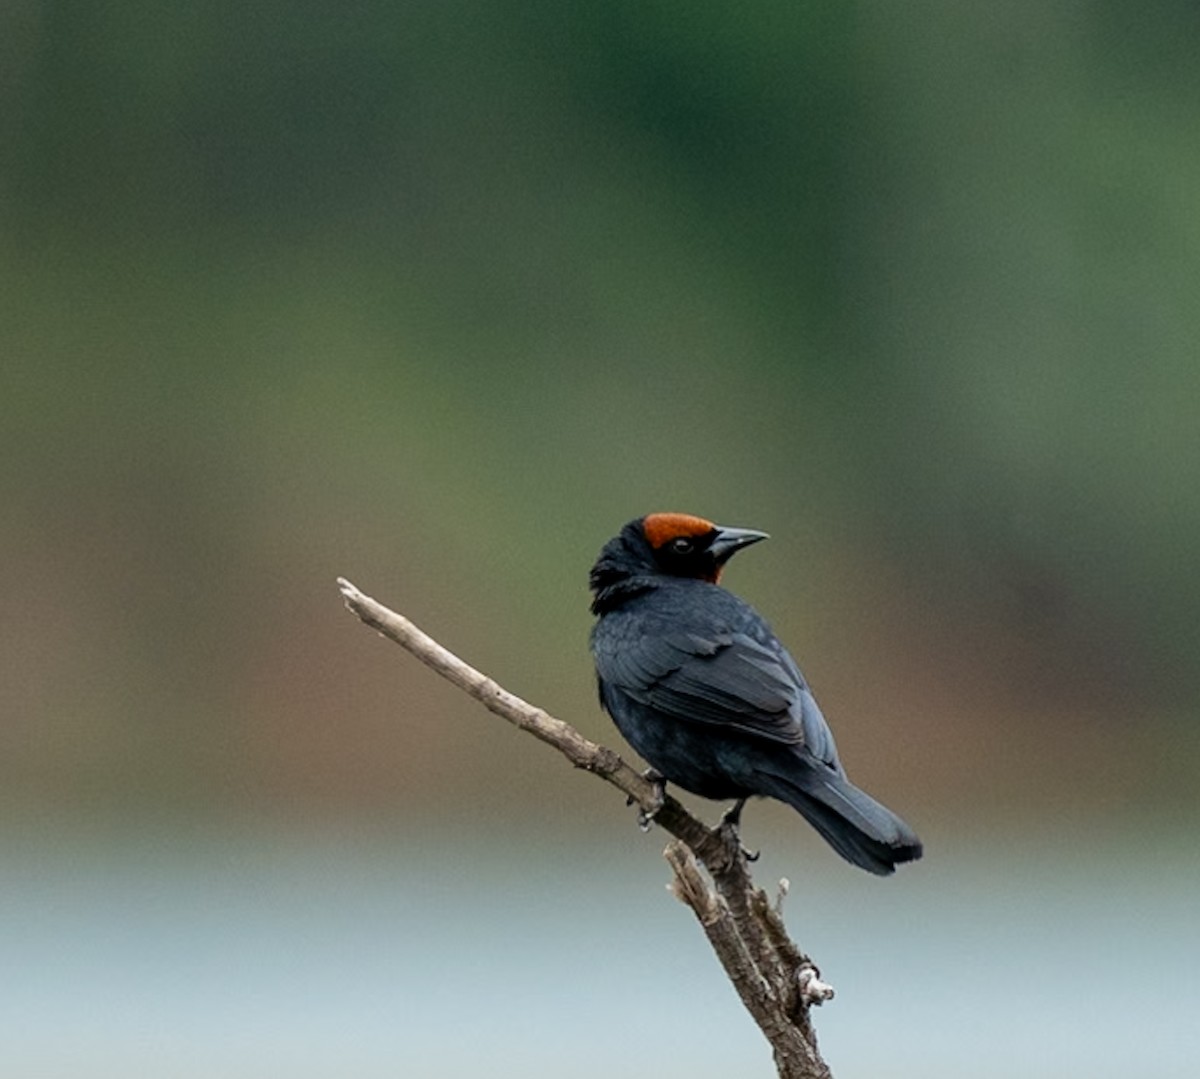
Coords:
pixel 646 816
pixel 730 825
pixel 733 816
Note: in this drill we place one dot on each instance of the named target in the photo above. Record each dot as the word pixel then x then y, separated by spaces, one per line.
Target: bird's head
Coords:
pixel 671 544
pixel 685 546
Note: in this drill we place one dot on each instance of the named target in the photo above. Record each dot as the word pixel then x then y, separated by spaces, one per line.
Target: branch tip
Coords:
pixel 813 991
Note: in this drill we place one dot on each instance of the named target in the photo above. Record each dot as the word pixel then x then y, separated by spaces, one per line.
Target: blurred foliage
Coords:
pixel 437 295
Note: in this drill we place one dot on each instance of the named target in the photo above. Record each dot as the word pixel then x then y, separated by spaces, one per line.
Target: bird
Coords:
pixel 702 689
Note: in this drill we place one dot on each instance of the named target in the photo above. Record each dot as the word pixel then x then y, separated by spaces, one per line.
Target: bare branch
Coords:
pixel 776 981
pixel 723 934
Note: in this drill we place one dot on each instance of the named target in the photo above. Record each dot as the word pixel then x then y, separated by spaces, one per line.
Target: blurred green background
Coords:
pixel 437 296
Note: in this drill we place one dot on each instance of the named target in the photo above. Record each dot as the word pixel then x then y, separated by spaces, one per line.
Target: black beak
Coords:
pixel 731 540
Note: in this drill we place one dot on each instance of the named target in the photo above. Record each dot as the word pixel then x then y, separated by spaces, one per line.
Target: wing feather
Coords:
pixel 723 678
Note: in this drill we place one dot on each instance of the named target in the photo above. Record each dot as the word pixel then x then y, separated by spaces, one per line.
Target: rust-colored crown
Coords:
pixel 660 528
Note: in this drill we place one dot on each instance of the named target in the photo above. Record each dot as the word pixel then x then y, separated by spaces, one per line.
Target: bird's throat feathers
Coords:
pixel 620 573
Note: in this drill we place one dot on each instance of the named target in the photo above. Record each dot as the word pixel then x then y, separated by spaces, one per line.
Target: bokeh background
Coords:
pixel 436 296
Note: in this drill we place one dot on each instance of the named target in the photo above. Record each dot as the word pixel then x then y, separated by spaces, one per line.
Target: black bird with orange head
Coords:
pixel 699 685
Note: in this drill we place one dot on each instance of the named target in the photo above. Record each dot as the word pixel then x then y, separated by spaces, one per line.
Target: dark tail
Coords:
pixel 861 830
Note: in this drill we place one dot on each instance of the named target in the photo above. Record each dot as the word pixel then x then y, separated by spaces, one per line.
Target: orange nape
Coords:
pixel 660 528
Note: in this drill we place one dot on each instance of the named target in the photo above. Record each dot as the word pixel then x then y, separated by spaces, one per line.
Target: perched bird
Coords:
pixel 698 684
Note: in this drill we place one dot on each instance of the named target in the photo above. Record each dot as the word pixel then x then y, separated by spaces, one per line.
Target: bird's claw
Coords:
pixel 731 821
pixel 733 816
pixel 645 816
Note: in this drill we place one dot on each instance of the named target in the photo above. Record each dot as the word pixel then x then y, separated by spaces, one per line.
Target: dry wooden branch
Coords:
pixel 776 981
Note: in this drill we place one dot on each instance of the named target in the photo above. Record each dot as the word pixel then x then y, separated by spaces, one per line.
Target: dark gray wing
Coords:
pixel 728 679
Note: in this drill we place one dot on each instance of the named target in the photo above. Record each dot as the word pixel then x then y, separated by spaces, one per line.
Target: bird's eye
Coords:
pixel 682 545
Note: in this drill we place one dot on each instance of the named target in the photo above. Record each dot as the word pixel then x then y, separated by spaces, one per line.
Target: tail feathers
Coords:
pixel 861 830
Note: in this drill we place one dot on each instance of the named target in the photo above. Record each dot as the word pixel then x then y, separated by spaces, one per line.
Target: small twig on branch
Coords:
pixel 776 981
